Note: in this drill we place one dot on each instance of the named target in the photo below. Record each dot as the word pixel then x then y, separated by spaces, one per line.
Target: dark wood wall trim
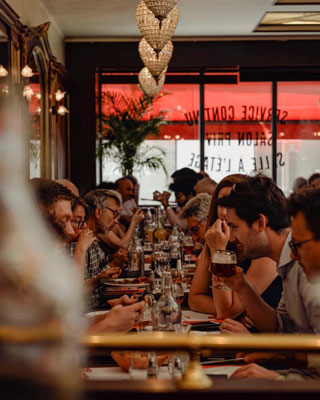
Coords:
pixel 256 61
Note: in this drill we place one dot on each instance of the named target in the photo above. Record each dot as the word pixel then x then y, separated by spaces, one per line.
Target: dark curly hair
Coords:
pixel 258 195
pixel 307 201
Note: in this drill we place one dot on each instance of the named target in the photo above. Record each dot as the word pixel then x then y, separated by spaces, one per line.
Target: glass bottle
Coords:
pixel 175 254
pixel 135 259
pixel 175 235
pixel 159 234
pixel 166 312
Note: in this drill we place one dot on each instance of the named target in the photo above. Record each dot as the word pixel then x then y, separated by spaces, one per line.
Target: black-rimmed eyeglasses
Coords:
pixel 115 213
pixel 80 223
pixel 295 246
pixel 195 229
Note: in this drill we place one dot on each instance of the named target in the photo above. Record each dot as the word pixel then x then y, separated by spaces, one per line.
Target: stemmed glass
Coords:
pixel 188 247
pixel 223 265
pixel 161 262
pixel 178 292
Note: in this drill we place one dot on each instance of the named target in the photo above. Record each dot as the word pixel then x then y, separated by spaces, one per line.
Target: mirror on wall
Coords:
pixel 4 64
pixel 34 94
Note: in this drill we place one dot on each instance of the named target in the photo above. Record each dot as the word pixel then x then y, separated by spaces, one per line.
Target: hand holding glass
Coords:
pixel 223 266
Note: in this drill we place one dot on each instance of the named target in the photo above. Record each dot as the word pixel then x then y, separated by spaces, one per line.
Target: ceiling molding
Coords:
pixel 198 39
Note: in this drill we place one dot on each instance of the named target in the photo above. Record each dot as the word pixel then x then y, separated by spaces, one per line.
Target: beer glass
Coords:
pixel 223 265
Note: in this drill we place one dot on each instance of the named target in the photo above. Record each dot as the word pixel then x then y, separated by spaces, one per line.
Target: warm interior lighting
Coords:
pixel 5 89
pixel 38 110
pixel 28 92
pixel 161 8
pixel 27 72
pixel 155 62
pixel 59 95
pixel 38 95
pixel 3 72
pixel 62 110
pixel 149 84
pixel 156 34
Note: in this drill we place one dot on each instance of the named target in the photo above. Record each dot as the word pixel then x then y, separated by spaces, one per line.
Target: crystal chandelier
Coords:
pixel 155 62
pixel 149 84
pixel 156 34
pixel 160 8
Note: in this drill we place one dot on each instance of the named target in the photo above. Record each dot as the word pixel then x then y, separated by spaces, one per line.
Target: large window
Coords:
pixel 237 131
pixel 178 102
pixel 299 133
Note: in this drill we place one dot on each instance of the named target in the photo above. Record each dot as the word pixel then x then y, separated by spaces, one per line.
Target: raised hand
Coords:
pixel 85 239
pixel 138 216
pixel 217 236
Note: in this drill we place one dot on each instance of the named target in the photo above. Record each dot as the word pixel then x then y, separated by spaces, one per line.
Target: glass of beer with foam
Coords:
pixel 223 265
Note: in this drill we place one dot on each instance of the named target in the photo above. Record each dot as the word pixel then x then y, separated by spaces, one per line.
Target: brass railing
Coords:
pixel 194 377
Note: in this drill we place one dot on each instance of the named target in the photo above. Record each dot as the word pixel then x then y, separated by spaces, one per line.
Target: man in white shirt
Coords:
pixel 258 220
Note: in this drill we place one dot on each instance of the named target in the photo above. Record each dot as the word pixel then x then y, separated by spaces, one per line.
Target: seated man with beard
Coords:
pixel 55 203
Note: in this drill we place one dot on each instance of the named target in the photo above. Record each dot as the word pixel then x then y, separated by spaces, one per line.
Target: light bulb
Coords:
pixel 59 95
pixel 28 92
pixel 27 72
pixel 62 110
pixel 3 71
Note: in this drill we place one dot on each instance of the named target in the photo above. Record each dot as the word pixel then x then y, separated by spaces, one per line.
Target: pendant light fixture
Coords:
pixel 157 36
pixel 155 62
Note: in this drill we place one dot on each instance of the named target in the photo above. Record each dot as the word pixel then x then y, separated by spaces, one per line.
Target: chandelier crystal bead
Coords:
pixel 155 62
pixel 149 84
pixel 157 33
pixel 160 8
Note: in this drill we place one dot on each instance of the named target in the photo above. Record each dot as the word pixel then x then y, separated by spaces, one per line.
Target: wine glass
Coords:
pixel 188 247
pixel 223 265
pixel 178 292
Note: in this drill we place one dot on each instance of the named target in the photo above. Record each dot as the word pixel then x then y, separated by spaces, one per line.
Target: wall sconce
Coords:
pixel 62 110
pixel 28 92
pixel 59 95
pixel 3 72
pixel 27 72
pixel 5 90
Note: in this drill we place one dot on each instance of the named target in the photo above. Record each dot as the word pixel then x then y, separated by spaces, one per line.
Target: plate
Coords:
pixel 125 282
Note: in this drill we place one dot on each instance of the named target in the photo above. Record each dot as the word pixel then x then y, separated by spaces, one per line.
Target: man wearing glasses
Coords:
pixel 304 207
pixel 196 212
pixel 258 221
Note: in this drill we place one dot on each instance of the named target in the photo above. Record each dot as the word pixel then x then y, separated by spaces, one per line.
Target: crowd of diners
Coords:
pixel 276 239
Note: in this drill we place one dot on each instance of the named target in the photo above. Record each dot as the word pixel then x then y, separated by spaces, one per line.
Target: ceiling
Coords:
pixel 115 19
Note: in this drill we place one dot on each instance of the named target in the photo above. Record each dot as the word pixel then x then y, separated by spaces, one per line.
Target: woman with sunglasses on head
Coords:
pixel 262 272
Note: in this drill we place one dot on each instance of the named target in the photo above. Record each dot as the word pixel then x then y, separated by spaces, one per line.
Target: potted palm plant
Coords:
pixel 124 125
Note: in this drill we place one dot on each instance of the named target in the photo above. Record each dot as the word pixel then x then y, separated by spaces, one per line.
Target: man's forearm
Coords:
pixel 262 315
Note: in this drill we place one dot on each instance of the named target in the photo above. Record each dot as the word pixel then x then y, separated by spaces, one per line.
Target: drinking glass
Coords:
pixel 178 292
pixel 223 265
pixel 161 262
pixel 146 320
pixel 138 368
pixel 188 247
